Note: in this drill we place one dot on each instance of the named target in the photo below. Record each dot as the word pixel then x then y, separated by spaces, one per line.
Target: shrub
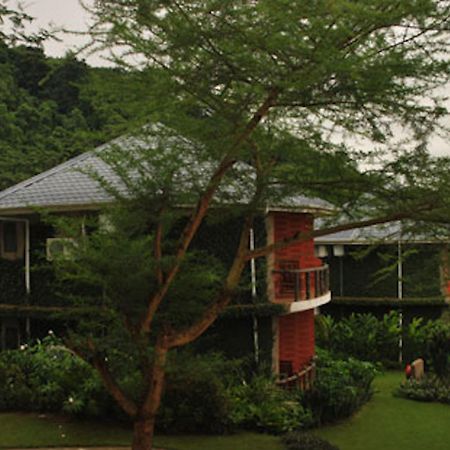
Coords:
pixel 362 336
pixel 365 337
pixel 203 393
pixel 261 405
pixel 428 389
pixel 195 398
pixel 438 348
pixel 14 391
pixel 340 389
pixel 415 337
pixel 48 377
pixel 306 441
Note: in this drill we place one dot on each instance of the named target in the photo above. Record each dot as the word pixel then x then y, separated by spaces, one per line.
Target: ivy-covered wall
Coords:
pixel 233 337
pixel 217 237
pixel 12 273
pixel 220 237
pixel 12 282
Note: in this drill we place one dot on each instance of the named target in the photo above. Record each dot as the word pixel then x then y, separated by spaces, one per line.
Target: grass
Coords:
pixel 387 423
pixel 241 441
pixel 30 430
pixel 392 423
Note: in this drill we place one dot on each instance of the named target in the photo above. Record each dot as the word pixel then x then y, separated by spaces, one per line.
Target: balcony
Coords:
pixel 302 288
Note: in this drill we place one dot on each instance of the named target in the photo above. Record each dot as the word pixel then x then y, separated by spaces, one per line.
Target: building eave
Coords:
pixel 380 242
pixel 31 210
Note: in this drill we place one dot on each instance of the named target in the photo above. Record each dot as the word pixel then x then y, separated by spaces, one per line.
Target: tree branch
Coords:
pixel 302 237
pixel 184 337
pixel 232 281
pixel 203 205
pixel 98 362
pixel 158 252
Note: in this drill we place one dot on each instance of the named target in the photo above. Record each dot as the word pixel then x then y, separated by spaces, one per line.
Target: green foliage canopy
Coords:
pixel 248 97
pixel 352 68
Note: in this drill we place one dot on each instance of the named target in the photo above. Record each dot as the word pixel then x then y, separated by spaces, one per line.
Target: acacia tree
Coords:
pixel 13 22
pixel 251 95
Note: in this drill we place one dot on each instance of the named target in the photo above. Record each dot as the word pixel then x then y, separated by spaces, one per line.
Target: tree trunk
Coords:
pixel 143 434
pixel 144 424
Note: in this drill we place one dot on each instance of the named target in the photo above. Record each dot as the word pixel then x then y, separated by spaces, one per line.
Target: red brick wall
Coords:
pixel 295 256
pixel 296 338
pixel 285 226
pixel 296 342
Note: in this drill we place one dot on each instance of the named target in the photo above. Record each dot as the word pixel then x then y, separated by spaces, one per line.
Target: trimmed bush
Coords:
pixel 340 389
pixel 306 441
pixel 195 397
pixel 428 389
pixel 263 406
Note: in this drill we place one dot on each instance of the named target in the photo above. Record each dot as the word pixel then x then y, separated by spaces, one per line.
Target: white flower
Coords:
pixel 70 399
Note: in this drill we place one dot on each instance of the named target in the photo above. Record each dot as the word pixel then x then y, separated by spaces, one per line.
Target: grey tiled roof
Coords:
pixel 63 185
pixel 384 233
pixel 363 235
pixel 69 186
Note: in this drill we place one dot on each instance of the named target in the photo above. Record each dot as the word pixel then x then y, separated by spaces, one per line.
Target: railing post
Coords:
pixel 308 285
pixel 322 282
pixel 296 287
pixel 317 280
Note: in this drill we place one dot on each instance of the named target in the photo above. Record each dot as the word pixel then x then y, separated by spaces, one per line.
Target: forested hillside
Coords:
pixel 53 109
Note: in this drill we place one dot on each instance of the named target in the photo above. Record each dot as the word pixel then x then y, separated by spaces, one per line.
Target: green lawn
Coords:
pixel 386 423
pixel 242 441
pixel 30 430
pixel 391 423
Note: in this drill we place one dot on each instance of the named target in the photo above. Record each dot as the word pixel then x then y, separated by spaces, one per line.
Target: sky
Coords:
pixel 69 14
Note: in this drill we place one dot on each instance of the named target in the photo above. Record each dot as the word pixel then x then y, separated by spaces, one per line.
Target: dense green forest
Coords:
pixel 53 109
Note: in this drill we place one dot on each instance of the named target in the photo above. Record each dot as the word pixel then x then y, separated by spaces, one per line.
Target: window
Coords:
pixel 12 240
pixel 10 237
